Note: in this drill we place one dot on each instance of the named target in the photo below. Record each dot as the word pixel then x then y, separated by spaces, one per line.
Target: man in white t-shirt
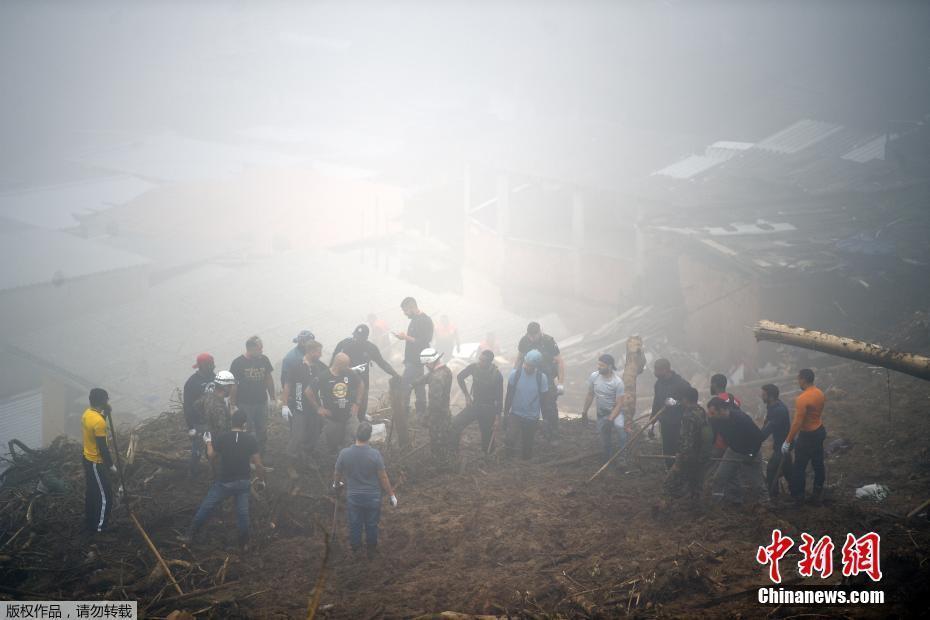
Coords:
pixel 605 387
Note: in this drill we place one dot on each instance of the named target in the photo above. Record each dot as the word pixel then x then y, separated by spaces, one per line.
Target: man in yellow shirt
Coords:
pixel 806 435
pixel 98 494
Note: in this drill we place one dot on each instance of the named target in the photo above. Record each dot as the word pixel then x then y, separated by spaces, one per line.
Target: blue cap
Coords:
pixel 533 358
pixel 305 335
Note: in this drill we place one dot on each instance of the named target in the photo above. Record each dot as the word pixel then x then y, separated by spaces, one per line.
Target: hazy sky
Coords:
pixel 734 70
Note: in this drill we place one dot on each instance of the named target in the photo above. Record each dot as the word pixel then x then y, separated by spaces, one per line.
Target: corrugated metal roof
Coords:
pixel 798 136
pixel 46 256
pixel 716 154
pixel 21 418
pixel 691 166
pixel 59 207
pixel 873 149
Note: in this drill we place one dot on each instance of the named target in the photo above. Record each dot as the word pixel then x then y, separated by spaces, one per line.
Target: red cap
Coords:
pixel 203 357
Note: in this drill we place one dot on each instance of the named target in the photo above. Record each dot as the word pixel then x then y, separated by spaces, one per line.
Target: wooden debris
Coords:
pixel 925 505
pixel 154 550
pixel 908 363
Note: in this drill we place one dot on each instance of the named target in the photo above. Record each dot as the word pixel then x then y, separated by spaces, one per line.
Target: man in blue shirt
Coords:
pixel 361 469
pixel 526 388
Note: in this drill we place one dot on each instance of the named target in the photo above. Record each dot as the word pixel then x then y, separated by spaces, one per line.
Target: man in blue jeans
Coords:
pixel 238 451
pixel 361 469
pixel 606 387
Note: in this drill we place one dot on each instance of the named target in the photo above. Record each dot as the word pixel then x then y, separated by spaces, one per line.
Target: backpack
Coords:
pixel 516 379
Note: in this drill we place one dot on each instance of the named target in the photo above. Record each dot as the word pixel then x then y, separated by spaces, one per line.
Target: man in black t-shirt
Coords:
pixel 361 354
pixel 301 410
pixel 339 392
pixel 238 452
pixel 483 402
pixel 668 383
pixel 254 387
pixel 553 367
pixel 194 390
pixel 417 337
pixel 741 468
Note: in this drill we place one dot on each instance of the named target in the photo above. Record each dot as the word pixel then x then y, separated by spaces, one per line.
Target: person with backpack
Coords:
pixel 212 410
pixel 552 365
pixel 526 389
pixel 694 447
pixel 483 403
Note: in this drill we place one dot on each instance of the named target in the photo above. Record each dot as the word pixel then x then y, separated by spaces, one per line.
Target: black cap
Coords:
pixel 361 332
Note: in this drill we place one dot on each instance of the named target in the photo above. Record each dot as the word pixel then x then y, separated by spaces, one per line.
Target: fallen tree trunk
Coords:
pixel 908 363
pixel 635 363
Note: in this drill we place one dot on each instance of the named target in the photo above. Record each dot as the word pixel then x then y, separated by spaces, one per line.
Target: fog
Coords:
pixel 176 177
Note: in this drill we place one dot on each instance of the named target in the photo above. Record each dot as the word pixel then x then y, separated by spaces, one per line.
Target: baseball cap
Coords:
pixel 203 357
pixel 304 336
pixel 533 358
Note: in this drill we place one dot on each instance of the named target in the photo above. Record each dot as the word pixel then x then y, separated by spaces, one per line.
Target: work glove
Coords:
pixel 559 389
pixel 192 432
pixel 113 469
pixel 286 412
pixel 207 437
pixel 394 501
pixel 785 447
pixel 670 402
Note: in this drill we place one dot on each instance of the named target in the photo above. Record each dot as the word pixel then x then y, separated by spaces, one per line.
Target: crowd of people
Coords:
pixel 325 406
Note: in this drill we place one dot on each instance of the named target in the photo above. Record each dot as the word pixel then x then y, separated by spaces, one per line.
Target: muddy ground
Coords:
pixel 497 537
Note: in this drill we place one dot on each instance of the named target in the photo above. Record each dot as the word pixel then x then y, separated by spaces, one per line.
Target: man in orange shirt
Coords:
pixel 807 434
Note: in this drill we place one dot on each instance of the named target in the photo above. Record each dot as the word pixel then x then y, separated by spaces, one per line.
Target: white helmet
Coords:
pixel 429 355
pixel 224 377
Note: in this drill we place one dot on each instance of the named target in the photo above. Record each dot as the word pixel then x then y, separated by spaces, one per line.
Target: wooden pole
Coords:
pixel 154 549
pixel 399 413
pixel 635 363
pixel 908 363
